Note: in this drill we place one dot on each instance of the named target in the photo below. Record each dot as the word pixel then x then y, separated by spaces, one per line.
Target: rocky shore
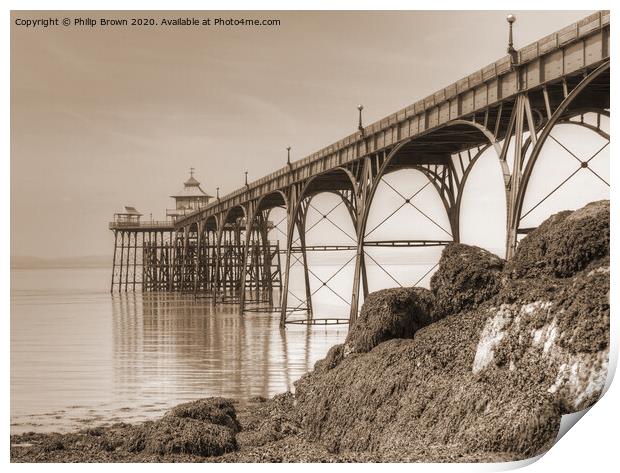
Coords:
pixel 481 367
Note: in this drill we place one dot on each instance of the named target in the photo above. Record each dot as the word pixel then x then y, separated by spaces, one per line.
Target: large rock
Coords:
pixel 467 277
pixel 407 395
pixel 270 421
pixel 333 358
pixel 560 341
pixel 215 410
pixel 206 427
pixel 174 435
pixel 387 314
pixel 565 243
pixel 521 347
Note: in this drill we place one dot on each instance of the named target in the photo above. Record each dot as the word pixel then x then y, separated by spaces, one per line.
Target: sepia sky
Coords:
pixel 106 117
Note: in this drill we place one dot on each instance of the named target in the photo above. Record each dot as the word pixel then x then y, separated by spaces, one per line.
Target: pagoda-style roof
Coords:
pixel 191 188
pixel 191 182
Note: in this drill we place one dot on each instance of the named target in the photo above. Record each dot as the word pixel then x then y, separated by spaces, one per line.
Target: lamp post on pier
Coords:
pixel 360 107
pixel 511 50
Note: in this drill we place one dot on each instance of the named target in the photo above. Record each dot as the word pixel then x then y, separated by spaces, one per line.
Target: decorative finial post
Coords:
pixel 217 193
pixel 360 107
pixel 511 50
pixel 191 172
pixel 246 179
pixel 288 156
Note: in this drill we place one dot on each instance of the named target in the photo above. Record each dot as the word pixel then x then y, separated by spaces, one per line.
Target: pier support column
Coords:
pixel 284 295
pixel 120 272
pixel 302 243
pixel 183 260
pixel 297 221
pixel 364 198
pixel 512 220
pixel 135 259
pixel 291 219
pixel 128 248
pixel 266 282
pixel 359 275
pixel 114 260
pixel 218 263
pixel 198 260
pixel 245 252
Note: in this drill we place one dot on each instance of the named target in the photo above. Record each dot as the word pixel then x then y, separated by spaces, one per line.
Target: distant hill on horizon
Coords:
pixel 35 262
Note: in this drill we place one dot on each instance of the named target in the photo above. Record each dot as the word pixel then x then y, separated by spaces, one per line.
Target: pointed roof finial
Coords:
pixel 191 181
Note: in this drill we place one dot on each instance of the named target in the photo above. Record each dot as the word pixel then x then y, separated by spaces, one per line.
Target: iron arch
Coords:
pixel 264 204
pixel 546 131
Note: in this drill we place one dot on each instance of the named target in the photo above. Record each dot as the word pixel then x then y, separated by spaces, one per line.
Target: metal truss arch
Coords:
pixel 348 202
pixel 207 228
pixel 545 133
pixel 568 121
pixel 308 191
pixel 490 136
pixel 260 203
pixel 232 212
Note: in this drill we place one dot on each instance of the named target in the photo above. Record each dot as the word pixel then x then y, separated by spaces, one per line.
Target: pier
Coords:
pixel 219 247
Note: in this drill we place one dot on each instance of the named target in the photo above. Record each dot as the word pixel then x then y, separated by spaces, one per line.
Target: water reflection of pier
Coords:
pixel 170 347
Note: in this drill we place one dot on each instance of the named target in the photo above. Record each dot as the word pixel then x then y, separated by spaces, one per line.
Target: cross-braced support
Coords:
pixel 296 221
pixel 260 273
pixel 128 261
pixel 525 162
pixel 372 174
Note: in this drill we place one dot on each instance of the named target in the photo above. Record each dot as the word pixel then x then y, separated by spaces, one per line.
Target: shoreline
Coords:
pixel 257 440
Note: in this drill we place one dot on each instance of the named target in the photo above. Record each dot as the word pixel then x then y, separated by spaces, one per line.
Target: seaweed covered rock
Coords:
pixel 270 421
pixel 215 410
pixel 565 243
pixel 407 394
pixel 494 375
pixel 387 314
pixel 481 417
pixel 467 276
pixel 559 341
pixel 334 356
pixel 551 322
pixel 205 427
pixel 185 435
pixel 500 418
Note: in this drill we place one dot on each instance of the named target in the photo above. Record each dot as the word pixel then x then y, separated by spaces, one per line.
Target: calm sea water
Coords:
pixel 81 356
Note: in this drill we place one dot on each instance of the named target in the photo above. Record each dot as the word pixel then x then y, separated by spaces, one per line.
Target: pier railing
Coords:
pixel 166 224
